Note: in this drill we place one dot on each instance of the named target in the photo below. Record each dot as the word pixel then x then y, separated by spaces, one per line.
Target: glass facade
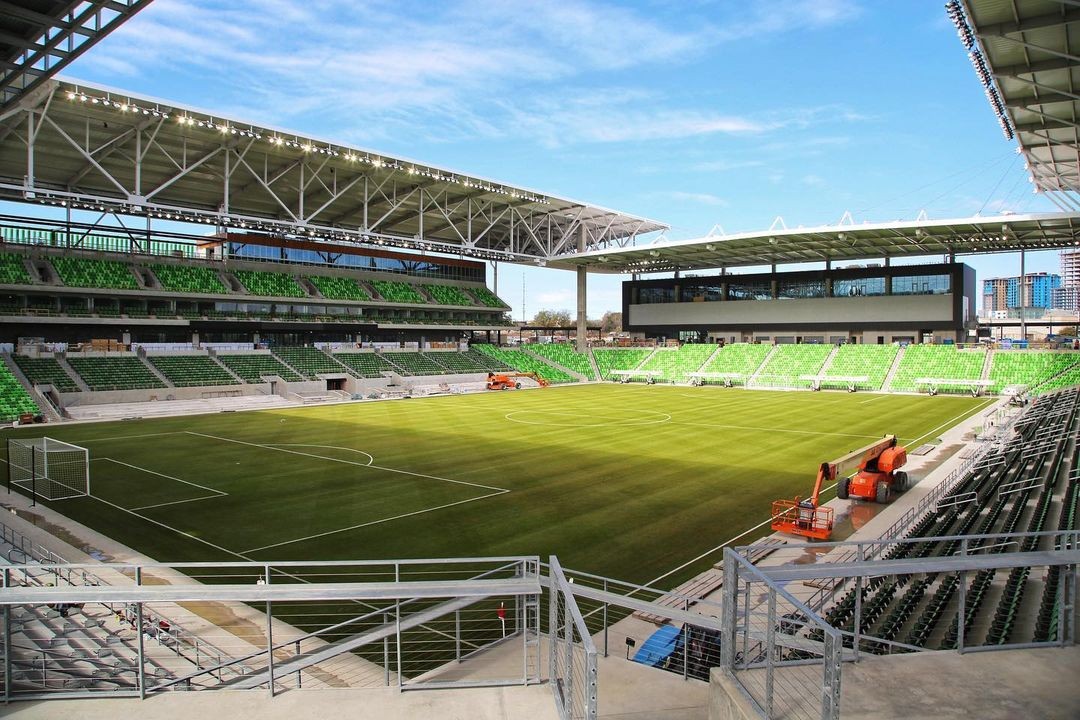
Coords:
pixel 420 267
pixel 750 290
pixel 702 293
pixel 793 289
pixel 650 296
pixel 922 285
pixel 860 287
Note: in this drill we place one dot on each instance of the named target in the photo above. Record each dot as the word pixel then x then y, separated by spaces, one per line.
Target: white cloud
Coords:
pixel 698 198
pixel 813 180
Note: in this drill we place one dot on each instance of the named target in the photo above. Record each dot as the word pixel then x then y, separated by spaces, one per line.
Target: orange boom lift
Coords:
pixel 506 381
pixel 877 479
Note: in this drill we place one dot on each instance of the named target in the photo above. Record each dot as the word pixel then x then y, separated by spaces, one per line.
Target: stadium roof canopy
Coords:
pixel 968 236
pixel 38 38
pixel 86 146
pixel 1027 55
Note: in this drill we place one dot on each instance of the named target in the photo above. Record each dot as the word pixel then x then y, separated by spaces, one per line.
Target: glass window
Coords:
pixel 761 290
pixel 701 293
pixel 651 295
pixel 792 289
pixel 922 285
pixel 859 287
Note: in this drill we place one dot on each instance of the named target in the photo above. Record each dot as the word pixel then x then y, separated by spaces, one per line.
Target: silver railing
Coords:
pixel 572 655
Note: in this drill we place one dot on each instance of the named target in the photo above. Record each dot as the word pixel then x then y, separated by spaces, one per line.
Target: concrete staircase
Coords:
pixel 886 386
pixel 829 360
pixel 595 367
pixel 558 366
pixel 62 361
pixel 765 361
pixel 988 362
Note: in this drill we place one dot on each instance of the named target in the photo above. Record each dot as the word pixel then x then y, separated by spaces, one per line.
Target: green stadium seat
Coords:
pixel 251 367
pixel 524 362
pixel 338 288
pixel 365 364
pixel 459 362
pixel 566 355
pixel 309 361
pixel 941 362
pixel 397 292
pixel 269 284
pixel 189 279
pixel 871 361
pixel 448 295
pixel 123 372
pixel 14 400
pixel 677 363
pixel 93 273
pixel 1028 367
pixel 45 371
pixel 486 297
pixel 12 270
pixel 741 358
pixel 414 363
pixel 608 359
pixel 788 363
pixel 191 370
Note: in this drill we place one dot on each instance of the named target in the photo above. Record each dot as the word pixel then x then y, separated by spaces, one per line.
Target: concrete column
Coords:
pixel 582 327
pixel 1023 298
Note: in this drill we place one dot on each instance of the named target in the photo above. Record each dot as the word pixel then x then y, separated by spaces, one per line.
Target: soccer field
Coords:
pixel 626 481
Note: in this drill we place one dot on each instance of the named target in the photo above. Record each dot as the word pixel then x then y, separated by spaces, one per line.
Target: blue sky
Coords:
pixel 698 113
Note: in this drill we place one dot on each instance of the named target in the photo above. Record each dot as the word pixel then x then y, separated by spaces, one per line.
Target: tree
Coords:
pixel 552 318
pixel 611 322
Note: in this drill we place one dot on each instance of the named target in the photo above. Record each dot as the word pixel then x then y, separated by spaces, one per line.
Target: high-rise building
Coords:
pixel 1008 293
pixel 1067 297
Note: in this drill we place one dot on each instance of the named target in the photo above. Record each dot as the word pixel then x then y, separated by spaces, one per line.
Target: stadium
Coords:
pixel 274 444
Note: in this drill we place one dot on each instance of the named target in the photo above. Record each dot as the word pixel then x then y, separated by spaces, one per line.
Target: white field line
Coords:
pixel 966 413
pixel 348 462
pixel 772 430
pixel 879 397
pixel 179 532
pixel 721 546
pixel 130 437
pixel 177 502
pixel 376 522
pixel 369 456
pixel 167 477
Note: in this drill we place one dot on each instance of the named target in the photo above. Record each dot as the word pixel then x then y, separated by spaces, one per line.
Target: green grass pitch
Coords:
pixel 624 481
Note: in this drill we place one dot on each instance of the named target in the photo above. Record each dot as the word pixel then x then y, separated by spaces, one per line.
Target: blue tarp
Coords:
pixel 659 647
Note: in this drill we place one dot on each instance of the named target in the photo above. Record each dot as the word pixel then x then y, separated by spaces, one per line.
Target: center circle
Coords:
pixel 555 418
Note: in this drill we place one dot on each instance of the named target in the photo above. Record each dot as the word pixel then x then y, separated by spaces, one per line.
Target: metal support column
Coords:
pixel 269 634
pixel 1023 296
pixel 582 323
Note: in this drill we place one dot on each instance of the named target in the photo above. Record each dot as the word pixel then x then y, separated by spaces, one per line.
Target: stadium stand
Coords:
pixel 14 400
pixel 872 361
pixel 458 362
pixel 448 295
pixel 608 359
pixel 937 361
pixel 308 361
pixel 398 292
pixel 269 284
pixel 191 370
pixel 486 297
pixel 1028 367
pixel 1067 378
pixel 413 363
pixel 789 362
pixel 921 610
pixel 189 279
pixel 123 372
pixel 12 270
pixel 42 370
pixel 338 288
pixel 252 367
pixel 524 362
pixel 93 273
pixel 566 355
pixel 741 358
pixel 365 364
pixel 676 363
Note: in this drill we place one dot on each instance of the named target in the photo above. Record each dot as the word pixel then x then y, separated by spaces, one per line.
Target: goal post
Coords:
pixel 47 468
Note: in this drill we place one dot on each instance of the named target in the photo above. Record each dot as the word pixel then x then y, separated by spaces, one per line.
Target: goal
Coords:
pixel 47 468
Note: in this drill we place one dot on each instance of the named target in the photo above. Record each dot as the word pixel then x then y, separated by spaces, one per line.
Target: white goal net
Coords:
pixel 50 469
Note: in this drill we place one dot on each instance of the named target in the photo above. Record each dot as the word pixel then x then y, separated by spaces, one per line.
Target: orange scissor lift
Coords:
pixel 877 463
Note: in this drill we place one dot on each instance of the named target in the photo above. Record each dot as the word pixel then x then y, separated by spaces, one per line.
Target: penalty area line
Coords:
pixel 167 477
pixel 377 522
pixel 718 547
